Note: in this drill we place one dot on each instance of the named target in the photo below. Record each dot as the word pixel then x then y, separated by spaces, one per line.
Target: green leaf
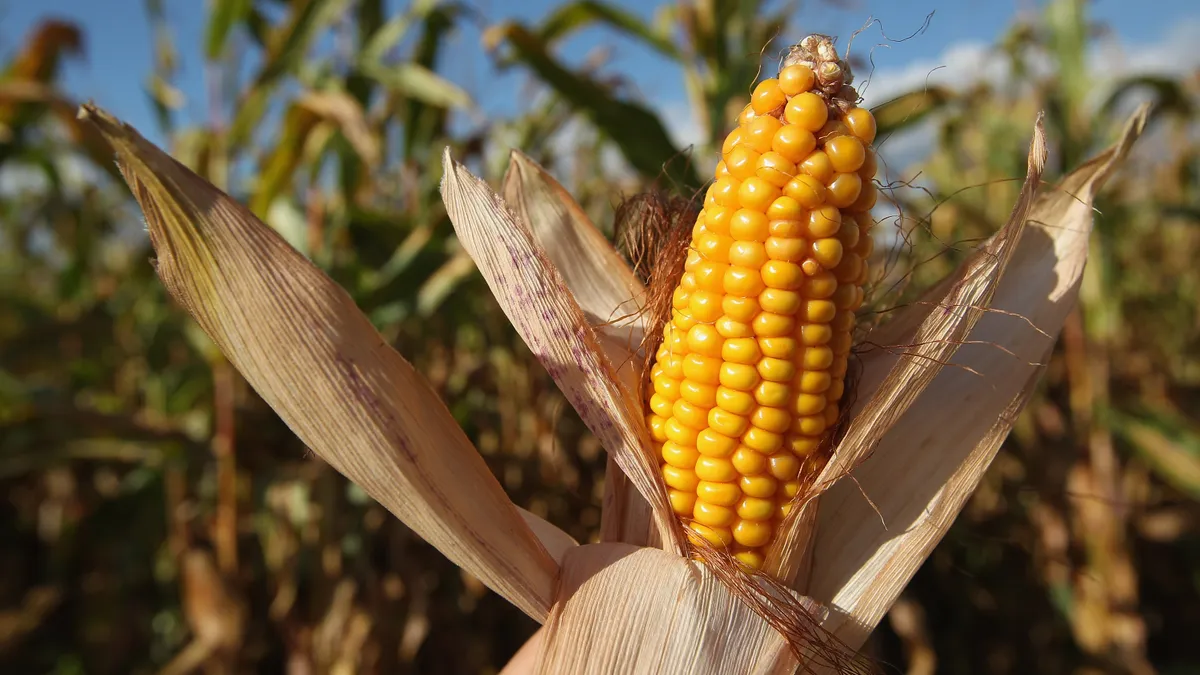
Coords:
pixel 224 15
pixel 1168 444
pixel 637 132
pixel 578 15
pixel 907 109
pixel 420 83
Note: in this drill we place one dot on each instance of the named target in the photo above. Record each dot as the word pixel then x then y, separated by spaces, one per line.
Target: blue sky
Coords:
pixel 119 43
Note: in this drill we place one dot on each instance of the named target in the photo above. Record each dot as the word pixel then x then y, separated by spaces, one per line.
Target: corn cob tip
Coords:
pixel 833 74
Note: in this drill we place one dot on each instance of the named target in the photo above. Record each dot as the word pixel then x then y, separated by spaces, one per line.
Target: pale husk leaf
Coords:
pixel 623 609
pixel 611 297
pixel 533 295
pixel 889 386
pixel 300 341
pixel 930 461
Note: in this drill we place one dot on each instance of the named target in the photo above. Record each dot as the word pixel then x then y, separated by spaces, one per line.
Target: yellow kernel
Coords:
pixel 806 190
pixel 680 298
pixel 817 165
pixel 813 382
pixel 716 219
pixel 680 478
pixel 682 502
pixel 657 424
pixel 680 434
pixel 803 446
pixel 705 306
pixel 846 153
pixel 722 170
pixel 730 328
pixel 712 444
pixel 739 376
pixel 790 249
pixel 750 254
pixel 806 110
pixel 755 508
pixel 822 285
pixel 741 350
pixel 767 96
pixel 791 488
pixel 678 341
pixel 667 387
pixel 724 192
pixel 780 301
pixel 796 79
pixel 813 334
pixel 705 340
pixel 849 269
pixel 774 394
pixel 838 369
pixel 752 532
pixel 817 358
pixel 775 169
pixel 698 394
pixel 870 166
pixel 742 162
pixel 778 347
pixel 683 321
pixel 816 311
pixel 688 281
pixel 751 559
pixel 673 366
pixel 827 252
pixel 809 425
pixel 867 198
pixel 749 462
pixel 831 413
pixel 849 233
pixel 727 423
pixel 713 515
pixel 784 466
pixel 720 494
pixel 844 189
pixel 841 344
pixel 865 247
pixel 689 415
pixel 759 132
pixel 768 324
pixel 740 309
pixel 733 140
pixel 830 130
pixel 661 405
pixel 715 469
pixel 734 401
pixel 824 222
pixel 794 143
pixel 710 276
pixel 861 123
pixel 719 537
pixel 782 275
pixel 758 486
pixel 749 225
pixel 808 404
pixel 757 194
pixel 785 208
pixel 743 281
pixel 848 297
pixel 776 420
pixel 746 115
pixel 713 246
pixel 776 370
pixel 836 390
pixel 679 456
pixel 762 440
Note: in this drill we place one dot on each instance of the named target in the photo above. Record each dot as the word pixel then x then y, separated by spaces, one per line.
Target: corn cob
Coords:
pixel 748 378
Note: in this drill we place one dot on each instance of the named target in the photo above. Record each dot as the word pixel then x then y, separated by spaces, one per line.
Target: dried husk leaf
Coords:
pixel 611 297
pixel 300 341
pixel 928 463
pixel 623 609
pixel 533 295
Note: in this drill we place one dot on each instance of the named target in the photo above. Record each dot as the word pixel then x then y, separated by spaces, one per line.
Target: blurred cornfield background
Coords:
pixel 147 490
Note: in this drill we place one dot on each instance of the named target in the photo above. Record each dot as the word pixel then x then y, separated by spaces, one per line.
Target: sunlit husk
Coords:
pixel 533 295
pixel 929 462
pixel 611 297
pixel 304 346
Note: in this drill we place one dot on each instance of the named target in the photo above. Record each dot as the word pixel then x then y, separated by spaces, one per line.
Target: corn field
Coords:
pixel 160 516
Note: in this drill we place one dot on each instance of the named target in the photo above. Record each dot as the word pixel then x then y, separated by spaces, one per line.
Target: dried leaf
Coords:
pixel 926 466
pixel 611 297
pixel 302 344
pixel 674 617
pixel 533 295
